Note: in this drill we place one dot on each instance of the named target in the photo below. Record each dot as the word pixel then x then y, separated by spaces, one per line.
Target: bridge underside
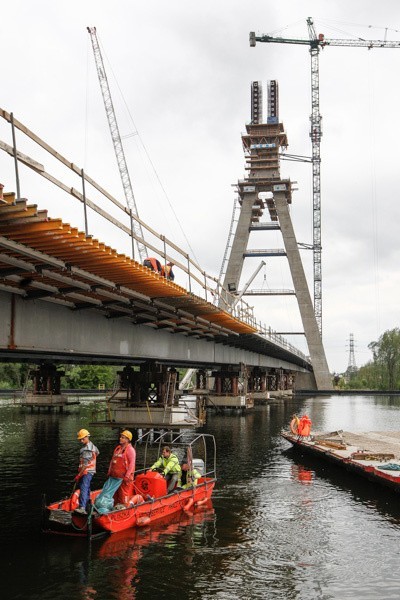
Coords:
pixel 35 330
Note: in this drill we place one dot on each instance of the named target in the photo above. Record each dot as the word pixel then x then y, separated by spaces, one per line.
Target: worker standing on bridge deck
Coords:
pixel 87 468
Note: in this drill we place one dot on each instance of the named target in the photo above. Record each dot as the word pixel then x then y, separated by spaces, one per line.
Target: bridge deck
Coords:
pixel 45 258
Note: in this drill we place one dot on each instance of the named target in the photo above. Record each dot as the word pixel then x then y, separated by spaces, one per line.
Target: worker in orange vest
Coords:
pixel 87 468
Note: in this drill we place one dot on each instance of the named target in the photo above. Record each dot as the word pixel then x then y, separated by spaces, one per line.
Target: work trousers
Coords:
pixel 84 486
pixel 172 480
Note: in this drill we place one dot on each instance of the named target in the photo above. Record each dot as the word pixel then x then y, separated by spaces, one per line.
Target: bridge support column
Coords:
pixel 280 382
pixel 257 385
pixel 47 380
pixel 153 383
pixel 312 333
pixel 147 399
pixel 201 380
pixel 46 387
pixel 230 390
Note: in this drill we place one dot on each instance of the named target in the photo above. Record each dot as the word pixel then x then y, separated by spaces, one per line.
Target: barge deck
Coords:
pixel 374 455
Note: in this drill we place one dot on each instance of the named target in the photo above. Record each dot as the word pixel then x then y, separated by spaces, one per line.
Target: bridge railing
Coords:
pixel 279 340
pixel 199 282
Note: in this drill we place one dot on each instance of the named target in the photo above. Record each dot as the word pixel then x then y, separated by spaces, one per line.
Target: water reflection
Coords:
pixel 120 554
pixel 283 526
pixel 302 474
pixel 361 490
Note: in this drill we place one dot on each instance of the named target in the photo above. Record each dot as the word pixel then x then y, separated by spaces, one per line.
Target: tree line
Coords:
pixel 16 376
pixel 383 371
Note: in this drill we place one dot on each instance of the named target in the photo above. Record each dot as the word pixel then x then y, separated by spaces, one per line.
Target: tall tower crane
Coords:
pixel 116 138
pixel 315 43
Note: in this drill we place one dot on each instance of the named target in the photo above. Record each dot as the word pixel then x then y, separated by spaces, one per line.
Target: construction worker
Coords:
pixel 168 465
pixel 153 264
pixel 87 468
pixel 122 466
pixel 189 476
pixel 167 271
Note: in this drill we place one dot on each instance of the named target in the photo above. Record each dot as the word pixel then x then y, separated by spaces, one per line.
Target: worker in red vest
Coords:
pixel 122 466
pixel 153 264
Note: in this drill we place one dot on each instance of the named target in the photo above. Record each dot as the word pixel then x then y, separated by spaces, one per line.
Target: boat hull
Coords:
pixel 60 518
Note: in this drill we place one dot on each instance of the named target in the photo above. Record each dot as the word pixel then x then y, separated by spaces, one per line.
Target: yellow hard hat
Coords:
pixel 82 433
pixel 127 434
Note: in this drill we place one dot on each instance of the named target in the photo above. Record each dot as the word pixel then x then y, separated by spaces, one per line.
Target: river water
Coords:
pixel 280 526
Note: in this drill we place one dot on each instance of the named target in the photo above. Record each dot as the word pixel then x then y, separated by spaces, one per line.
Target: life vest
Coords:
pixel 301 426
pixel 87 459
pixel 153 264
pixel 189 479
pixel 170 464
pixel 304 427
pixel 119 463
pixel 166 271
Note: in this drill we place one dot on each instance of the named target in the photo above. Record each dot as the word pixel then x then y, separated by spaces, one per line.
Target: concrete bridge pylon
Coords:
pixel 262 143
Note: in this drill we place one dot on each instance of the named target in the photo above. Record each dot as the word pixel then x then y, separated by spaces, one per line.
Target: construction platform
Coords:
pixel 47 401
pixel 242 403
pixel 374 454
pixel 183 415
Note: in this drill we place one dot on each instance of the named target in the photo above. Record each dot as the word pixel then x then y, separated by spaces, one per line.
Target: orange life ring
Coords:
pixel 294 425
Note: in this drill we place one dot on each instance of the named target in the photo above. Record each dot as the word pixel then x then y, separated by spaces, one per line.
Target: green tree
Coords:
pixel 13 375
pixel 88 376
pixel 386 356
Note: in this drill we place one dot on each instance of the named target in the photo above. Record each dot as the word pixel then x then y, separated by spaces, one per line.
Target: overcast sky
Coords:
pixel 180 74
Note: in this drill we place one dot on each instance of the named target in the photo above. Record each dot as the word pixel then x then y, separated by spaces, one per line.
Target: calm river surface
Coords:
pixel 281 527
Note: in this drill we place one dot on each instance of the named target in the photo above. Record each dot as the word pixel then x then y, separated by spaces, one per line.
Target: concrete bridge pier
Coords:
pixel 47 379
pixel 257 385
pixel 147 398
pixel 230 389
pixel 46 391
pixel 152 382
pixel 280 383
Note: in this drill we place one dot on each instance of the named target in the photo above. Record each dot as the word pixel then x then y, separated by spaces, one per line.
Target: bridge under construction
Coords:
pixel 66 297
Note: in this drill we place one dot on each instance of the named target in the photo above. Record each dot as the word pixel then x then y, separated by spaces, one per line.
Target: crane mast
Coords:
pixel 116 138
pixel 315 43
pixel 315 135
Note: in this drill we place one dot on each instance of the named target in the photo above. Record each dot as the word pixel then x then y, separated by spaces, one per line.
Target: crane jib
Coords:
pixel 321 42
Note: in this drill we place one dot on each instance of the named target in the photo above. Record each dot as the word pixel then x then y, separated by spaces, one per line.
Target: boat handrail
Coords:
pixel 183 439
